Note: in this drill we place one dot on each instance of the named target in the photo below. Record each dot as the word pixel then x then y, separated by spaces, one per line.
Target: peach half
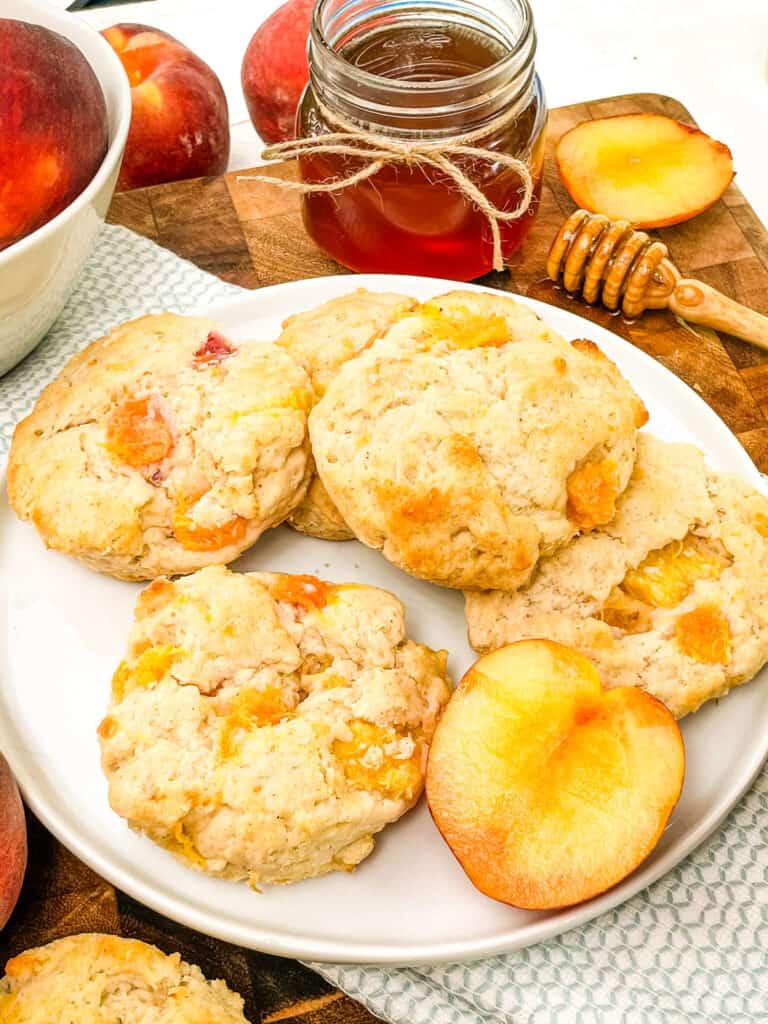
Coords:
pixel 645 168
pixel 547 788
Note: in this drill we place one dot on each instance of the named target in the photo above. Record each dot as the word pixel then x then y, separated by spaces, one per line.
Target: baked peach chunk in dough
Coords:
pixel 138 433
pixel 592 493
pixel 463 327
pixel 195 537
pixel 367 763
pixel 704 635
pixel 666 576
pixel 662 580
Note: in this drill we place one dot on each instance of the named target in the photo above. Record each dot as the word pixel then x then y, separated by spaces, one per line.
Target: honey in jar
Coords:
pixel 413 72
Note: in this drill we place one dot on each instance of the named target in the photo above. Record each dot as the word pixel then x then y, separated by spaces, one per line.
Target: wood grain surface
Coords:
pixel 251 234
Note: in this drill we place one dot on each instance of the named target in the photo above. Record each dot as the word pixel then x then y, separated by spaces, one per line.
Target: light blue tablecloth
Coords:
pixel 692 948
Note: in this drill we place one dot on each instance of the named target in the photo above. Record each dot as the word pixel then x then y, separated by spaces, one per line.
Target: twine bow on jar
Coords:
pixel 379 150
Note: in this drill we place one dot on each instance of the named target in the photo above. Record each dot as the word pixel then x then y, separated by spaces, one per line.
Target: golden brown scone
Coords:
pixel 671 596
pixel 162 448
pixel 471 439
pixel 105 979
pixel 322 340
pixel 267 726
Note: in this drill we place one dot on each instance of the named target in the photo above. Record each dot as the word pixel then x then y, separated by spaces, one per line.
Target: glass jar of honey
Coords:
pixel 433 72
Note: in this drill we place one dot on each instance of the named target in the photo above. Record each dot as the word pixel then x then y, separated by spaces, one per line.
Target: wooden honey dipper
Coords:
pixel 610 262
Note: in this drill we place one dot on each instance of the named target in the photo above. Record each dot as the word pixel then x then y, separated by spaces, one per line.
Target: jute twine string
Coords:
pixel 379 150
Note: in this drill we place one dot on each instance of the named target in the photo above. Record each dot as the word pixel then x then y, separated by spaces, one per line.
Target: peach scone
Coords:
pixel 104 979
pixel 267 726
pixel 471 439
pixel 671 596
pixel 163 447
pixel 322 340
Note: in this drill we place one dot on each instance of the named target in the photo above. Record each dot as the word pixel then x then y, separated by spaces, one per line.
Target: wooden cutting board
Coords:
pixel 251 234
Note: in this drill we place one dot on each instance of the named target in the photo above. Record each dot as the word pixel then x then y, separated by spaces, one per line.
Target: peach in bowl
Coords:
pixel 64 136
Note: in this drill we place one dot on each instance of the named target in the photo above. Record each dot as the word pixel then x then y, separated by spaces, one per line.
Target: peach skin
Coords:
pixel 548 789
pixel 180 123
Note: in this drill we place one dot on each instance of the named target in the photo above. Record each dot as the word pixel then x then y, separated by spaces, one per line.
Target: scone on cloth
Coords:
pixel 267 726
pixel 104 979
pixel 671 596
pixel 471 439
pixel 322 340
pixel 162 448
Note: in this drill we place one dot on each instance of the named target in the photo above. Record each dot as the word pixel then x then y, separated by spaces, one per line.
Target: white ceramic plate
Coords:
pixel 409 902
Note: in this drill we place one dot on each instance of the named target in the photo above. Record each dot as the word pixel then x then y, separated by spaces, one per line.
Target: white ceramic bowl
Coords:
pixel 38 272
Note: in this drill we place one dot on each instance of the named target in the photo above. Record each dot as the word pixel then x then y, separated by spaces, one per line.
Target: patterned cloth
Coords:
pixel 125 276
pixel 692 948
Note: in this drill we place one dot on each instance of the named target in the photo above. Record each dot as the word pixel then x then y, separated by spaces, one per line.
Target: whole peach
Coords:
pixel 275 70
pixel 53 126
pixel 13 842
pixel 180 121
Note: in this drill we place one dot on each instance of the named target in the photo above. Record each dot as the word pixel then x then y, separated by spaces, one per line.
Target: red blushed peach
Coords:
pixel 548 788
pixel 53 126
pixel 275 70
pixel 180 121
pixel 13 842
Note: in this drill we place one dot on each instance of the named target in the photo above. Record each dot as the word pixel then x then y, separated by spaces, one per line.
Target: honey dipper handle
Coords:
pixel 697 302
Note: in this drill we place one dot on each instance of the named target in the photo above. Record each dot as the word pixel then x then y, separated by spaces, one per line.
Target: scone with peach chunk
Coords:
pixel 671 596
pixel 471 439
pixel 321 340
pixel 267 726
pixel 163 447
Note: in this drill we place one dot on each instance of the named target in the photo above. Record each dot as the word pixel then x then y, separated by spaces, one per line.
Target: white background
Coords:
pixel 710 54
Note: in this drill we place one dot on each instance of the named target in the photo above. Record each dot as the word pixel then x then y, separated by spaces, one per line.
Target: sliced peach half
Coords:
pixel 644 168
pixel 548 788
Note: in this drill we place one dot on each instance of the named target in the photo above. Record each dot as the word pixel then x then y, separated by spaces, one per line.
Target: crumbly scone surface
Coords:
pixel 322 340
pixel 162 448
pixel 458 443
pixel 266 726
pixel 317 516
pixel 104 979
pixel 671 596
